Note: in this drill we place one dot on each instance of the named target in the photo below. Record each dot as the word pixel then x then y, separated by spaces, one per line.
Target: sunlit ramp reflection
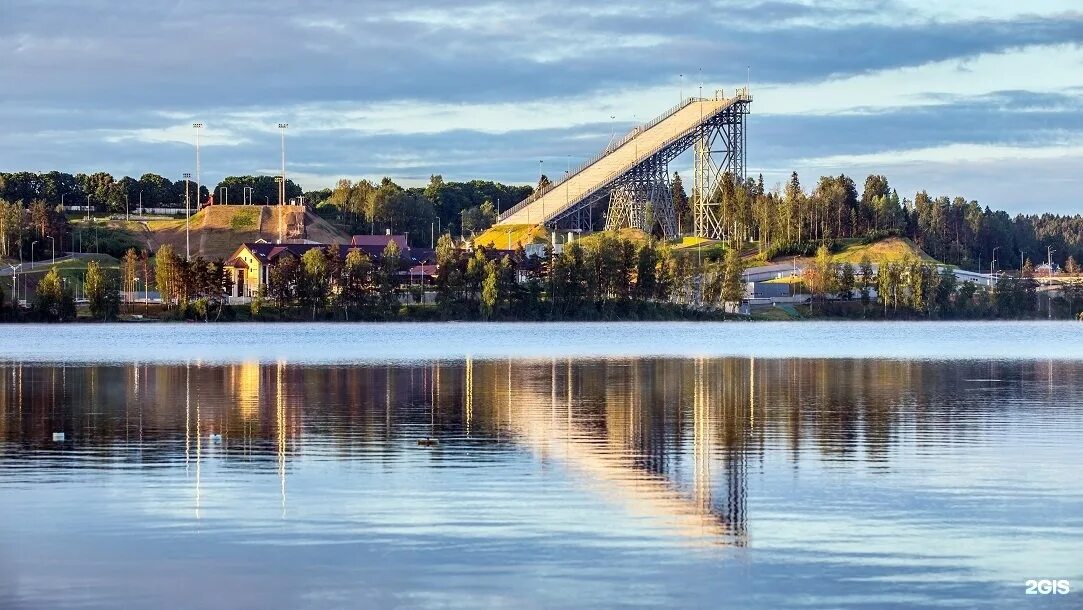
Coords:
pixel 611 464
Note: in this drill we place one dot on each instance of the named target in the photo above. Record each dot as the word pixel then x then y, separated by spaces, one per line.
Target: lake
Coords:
pixel 749 465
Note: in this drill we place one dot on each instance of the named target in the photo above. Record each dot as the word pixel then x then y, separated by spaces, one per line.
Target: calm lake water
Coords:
pixel 837 465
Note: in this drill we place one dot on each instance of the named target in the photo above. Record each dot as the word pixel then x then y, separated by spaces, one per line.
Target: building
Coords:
pixel 249 267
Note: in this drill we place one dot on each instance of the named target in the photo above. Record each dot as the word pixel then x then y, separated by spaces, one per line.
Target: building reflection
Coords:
pixel 670 440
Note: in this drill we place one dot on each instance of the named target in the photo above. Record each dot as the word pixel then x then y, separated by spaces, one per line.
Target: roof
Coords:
pixel 379 240
pixel 421 270
pixel 236 262
pixel 267 252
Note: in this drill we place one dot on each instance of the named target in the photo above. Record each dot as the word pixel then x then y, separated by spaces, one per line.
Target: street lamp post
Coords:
pixel 187 216
pixel 14 286
pixel 187 200
pixel 1049 255
pixel 282 188
pixel 32 244
pixel 126 216
pixel 278 179
pixel 52 246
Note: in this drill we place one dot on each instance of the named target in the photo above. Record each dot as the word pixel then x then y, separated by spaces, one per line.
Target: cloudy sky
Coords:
pixel 981 99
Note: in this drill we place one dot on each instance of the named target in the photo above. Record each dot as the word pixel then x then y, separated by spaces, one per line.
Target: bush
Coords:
pixel 113 241
pixel 244 220
pixel 876 236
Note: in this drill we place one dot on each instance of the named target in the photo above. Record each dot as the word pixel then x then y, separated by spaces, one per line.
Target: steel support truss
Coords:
pixel 642 200
pixel 719 149
pixel 642 197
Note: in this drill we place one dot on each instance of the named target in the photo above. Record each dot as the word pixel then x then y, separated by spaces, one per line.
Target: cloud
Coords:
pixel 483 88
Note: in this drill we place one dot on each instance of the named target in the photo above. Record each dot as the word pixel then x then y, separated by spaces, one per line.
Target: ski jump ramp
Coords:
pixel 633 173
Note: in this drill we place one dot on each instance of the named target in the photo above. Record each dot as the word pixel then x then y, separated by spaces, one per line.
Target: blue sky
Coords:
pixel 980 99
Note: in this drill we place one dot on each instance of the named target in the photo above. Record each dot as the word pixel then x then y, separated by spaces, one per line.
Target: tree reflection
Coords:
pixel 671 439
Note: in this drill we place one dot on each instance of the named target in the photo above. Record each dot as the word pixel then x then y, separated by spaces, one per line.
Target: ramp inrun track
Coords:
pixel 640 156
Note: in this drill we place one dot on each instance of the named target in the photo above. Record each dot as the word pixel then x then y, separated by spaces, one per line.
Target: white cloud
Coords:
pixel 1041 69
pixel 948 154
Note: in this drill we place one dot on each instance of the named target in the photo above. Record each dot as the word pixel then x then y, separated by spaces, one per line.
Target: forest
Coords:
pixel 786 219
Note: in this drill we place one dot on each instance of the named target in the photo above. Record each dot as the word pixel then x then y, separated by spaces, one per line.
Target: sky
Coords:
pixel 976 99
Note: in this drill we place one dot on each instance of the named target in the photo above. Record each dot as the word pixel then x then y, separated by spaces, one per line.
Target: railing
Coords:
pixel 609 149
pixel 742 96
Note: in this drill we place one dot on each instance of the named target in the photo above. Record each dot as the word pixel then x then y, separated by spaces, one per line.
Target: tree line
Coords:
pixel 790 219
pixel 456 207
pixel 915 288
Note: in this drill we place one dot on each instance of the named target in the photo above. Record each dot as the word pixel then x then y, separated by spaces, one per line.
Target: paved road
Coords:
pixel 41 265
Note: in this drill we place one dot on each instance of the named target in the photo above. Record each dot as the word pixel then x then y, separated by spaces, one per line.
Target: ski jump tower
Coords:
pixel 633 173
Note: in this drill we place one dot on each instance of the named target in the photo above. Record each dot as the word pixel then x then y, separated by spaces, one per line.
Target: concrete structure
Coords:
pixel 250 266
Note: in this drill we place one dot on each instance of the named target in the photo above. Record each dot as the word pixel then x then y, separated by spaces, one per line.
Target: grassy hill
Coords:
pixel 216 231
pixel 889 250
pixel 500 236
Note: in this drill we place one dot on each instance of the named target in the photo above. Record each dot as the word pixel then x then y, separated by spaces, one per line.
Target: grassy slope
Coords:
pixel 497 236
pixel 890 250
pixel 216 231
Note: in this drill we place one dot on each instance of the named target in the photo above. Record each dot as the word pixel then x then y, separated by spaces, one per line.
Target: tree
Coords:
pixel 255 306
pixel 945 290
pixel 887 284
pixel 646 285
pixel 50 296
pixel 102 292
pixel 733 288
pixel 866 282
pixel 284 280
pixel 314 272
pixel 129 270
pixel 165 273
pixel 820 277
pixel 680 201
pixel 966 295
pixel 390 264
pixel 1071 267
pixel 490 289
pixel 846 282
pixel 356 280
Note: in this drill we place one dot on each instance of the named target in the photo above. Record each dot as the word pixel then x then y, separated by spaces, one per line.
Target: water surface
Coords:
pixel 607 476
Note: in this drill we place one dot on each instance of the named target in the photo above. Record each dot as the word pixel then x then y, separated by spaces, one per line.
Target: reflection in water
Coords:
pixel 630 429
pixel 670 443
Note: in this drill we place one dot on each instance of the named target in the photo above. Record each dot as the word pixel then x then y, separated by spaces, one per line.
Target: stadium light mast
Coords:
pixel 187 216
pixel 188 207
pixel 282 189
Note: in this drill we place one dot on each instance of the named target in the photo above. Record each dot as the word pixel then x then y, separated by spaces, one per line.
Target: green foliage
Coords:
pixel 245 220
pixel 53 300
pixel 102 291
pixel 846 281
pixel 732 285
pixel 165 273
pixel 256 305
